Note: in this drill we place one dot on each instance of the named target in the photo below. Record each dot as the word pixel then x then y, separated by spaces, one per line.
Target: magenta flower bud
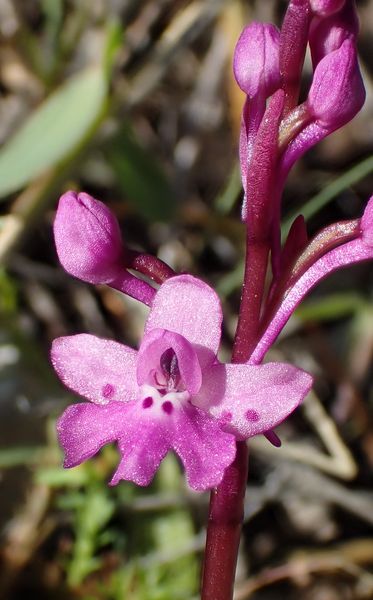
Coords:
pixel 88 239
pixel 324 8
pixel 327 35
pixel 337 92
pixel 256 60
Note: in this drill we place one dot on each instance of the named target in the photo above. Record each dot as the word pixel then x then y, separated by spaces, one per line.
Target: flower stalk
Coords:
pixel 225 518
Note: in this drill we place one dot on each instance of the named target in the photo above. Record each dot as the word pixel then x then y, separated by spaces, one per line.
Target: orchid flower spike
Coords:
pixel 173 394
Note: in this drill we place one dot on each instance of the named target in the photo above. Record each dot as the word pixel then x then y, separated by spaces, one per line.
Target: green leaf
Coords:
pixel 8 294
pixel 90 520
pixel 232 281
pixel 54 130
pixel 334 306
pixel 140 177
pixel 59 477
pixel 227 198
pixel 329 192
pixel 20 456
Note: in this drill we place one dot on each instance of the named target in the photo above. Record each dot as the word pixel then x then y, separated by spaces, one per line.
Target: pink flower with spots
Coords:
pixel 172 394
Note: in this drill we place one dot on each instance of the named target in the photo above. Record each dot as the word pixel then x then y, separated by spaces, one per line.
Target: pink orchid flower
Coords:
pixel 173 394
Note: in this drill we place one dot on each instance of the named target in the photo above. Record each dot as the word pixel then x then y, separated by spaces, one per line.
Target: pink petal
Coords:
pixel 143 444
pixel 84 428
pixel 203 447
pixel 99 370
pixel 252 399
pixel 188 306
pixel 154 344
pixel 144 437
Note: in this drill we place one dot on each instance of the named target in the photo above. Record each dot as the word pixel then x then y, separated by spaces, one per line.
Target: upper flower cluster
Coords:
pixel 268 63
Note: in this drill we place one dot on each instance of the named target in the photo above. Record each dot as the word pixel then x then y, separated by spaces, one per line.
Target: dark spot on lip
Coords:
pixel 252 415
pixel 147 402
pixel 167 407
pixel 108 390
pixel 226 417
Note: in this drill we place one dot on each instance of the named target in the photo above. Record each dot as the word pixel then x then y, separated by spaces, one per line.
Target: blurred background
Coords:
pixel 134 102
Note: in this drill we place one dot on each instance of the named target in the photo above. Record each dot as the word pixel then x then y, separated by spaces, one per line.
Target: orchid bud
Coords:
pixel 337 92
pixel 324 8
pixel 327 35
pixel 256 60
pixel 88 239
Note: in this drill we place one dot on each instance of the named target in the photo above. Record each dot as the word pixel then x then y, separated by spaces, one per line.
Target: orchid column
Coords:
pixel 276 130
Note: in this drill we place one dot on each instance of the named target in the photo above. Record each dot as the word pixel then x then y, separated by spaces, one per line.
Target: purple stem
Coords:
pixel 226 502
pixel 293 43
pixel 134 287
pixel 149 265
pixel 252 116
pixel 224 529
pixel 251 301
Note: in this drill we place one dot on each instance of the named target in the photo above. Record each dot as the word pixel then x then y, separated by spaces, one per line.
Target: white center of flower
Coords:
pixel 168 390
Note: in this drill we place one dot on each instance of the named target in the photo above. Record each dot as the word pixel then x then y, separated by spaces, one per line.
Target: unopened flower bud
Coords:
pixel 325 8
pixel 88 239
pixel 327 35
pixel 337 92
pixel 256 60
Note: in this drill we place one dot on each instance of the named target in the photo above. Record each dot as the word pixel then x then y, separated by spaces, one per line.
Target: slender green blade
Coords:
pixel 53 131
pixel 329 192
